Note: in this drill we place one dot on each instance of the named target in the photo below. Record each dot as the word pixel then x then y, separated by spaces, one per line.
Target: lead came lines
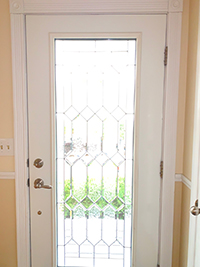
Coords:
pixel 112 210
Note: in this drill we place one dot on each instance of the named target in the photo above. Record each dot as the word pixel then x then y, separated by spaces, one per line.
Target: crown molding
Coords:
pixel 94 6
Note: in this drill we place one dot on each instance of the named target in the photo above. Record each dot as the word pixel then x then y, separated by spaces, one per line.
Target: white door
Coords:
pixel 128 227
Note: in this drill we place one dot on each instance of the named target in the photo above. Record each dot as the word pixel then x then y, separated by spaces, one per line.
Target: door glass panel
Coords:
pixel 95 91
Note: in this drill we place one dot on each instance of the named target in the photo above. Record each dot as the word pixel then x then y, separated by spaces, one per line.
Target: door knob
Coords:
pixel 39 183
pixel 195 209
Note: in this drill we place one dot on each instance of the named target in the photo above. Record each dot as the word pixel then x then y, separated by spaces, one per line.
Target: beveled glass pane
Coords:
pixel 94 177
pixel 95 82
pixel 117 203
pixel 86 202
pixel 94 135
pixel 128 85
pixel 79 88
pixel 103 113
pixel 110 133
pixel 110 181
pixel 117 159
pixel 87 113
pixel 109 226
pixel 116 250
pixel 64 133
pixel 102 159
pixel 94 225
pixel 95 85
pixel 129 136
pixel 102 203
pixel 86 250
pixel 101 250
pixel 79 225
pixel 110 91
pixel 71 249
pixel 122 136
pixel 79 131
pixel 128 182
pixel 63 89
pixel 79 176
pixel 118 113
pixel 71 113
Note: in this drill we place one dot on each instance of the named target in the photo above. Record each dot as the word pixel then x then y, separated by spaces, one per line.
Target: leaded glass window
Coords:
pixel 95 88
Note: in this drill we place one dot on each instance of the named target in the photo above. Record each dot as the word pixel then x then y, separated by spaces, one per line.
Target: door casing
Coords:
pixel 194 228
pixel 18 12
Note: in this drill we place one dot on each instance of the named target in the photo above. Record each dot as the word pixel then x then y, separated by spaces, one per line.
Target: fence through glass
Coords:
pixel 95 88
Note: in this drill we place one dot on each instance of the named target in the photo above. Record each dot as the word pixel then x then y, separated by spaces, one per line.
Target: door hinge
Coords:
pixel 161 169
pixel 158 265
pixel 28 182
pixel 165 56
pixel 27 162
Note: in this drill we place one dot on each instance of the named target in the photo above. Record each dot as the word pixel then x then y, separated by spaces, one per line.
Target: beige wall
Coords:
pixel 8 255
pixel 184 136
pixel 190 92
pixel 185 130
pixel 184 226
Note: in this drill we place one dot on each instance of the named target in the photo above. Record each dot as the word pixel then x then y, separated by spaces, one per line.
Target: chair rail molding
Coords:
pixel 181 178
pixel 95 6
pixel 7 175
pixel 19 9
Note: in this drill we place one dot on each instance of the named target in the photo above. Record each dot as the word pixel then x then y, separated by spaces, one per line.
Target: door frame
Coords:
pixel 18 10
pixel 192 250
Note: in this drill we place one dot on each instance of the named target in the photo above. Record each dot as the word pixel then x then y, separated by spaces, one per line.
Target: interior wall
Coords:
pixel 8 251
pixel 184 141
pixel 185 129
pixel 191 82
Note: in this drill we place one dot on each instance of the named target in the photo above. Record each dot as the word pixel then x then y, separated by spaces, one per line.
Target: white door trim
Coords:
pixel 174 7
pixel 195 160
pixel 20 135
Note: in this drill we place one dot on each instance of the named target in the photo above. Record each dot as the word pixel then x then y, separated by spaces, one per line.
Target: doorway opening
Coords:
pixel 95 95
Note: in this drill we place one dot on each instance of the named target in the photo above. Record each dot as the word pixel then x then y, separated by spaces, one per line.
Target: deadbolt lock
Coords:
pixel 38 163
pixel 195 209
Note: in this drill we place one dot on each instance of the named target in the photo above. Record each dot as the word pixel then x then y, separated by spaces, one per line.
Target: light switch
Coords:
pixel 6 147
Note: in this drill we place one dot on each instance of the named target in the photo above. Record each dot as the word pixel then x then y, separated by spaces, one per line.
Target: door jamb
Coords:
pixel 169 140
pixel 195 160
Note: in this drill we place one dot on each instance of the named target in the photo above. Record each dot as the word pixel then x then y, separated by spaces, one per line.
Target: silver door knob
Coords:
pixel 39 183
pixel 195 209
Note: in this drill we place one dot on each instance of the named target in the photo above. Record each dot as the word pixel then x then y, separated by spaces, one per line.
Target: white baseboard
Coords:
pixel 7 175
pixel 181 178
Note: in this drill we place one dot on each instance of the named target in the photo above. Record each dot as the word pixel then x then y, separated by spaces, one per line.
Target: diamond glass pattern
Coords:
pixel 102 114
pixel 87 159
pixel 117 159
pixel 71 202
pixel 102 159
pixel 71 113
pixel 71 158
pixel 86 202
pixel 101 203
pixel 116 203
pixel 87 113
pixel 118 113
pixel 95 91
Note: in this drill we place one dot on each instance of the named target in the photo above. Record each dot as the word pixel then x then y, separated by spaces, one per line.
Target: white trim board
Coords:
pixel 181 178
pixel 95 6
pixel 7 175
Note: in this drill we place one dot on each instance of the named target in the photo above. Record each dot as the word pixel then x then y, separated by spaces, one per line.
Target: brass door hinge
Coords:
pixel 165 56
pixel 161 169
